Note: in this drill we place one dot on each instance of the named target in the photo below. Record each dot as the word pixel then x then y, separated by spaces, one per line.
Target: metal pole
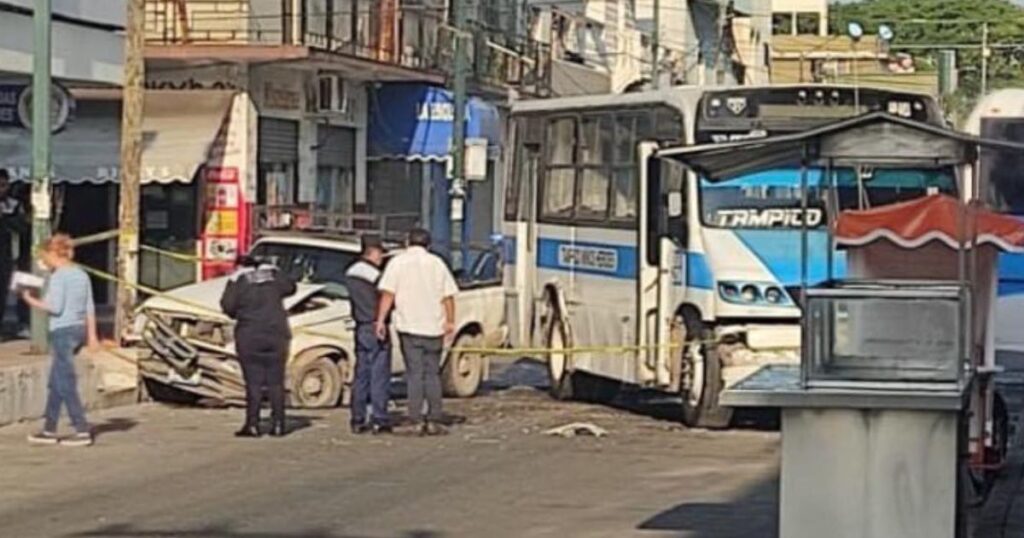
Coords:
pixel 41 127
pixel 459 117
pixel 656 46
pixel 131 164
pixel 984 59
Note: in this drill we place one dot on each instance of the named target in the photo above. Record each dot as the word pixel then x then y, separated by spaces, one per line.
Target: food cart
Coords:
pixel 890 411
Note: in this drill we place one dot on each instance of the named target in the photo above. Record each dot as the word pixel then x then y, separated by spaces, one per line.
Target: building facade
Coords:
pixel 800 17
pixel 87 48
pixel 601 46
pixel 307 80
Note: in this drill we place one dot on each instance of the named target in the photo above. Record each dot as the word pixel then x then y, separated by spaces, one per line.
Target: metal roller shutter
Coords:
pixel 278 141
pixel 336 147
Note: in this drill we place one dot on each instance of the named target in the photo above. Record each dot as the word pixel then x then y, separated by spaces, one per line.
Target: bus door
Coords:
pixel 662 226
pixel 520 232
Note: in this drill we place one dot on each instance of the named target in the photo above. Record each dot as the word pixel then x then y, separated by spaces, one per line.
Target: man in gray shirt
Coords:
pixel 372 384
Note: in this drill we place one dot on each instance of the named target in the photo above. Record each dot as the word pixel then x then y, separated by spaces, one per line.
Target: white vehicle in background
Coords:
pixel 610 245
pixel 1000 116
pixel 190 342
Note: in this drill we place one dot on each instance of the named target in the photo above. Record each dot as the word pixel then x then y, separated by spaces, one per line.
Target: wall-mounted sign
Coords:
pixel 222 222
pixel 214 77
pixel 222 195
pixel 16 106
pixel 281 97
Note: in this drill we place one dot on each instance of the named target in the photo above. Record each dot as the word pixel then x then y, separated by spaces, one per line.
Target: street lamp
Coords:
pixel 855 31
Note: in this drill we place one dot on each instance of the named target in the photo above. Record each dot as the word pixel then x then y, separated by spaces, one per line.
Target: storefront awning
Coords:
pixel 87 150
pixel 917 222
pixel 414 121
pixel 178 130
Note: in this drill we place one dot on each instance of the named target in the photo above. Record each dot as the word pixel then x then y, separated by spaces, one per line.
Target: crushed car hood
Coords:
pixel 203 299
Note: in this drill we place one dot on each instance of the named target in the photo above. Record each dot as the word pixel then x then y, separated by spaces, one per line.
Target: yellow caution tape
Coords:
pixel 95 238
pixel 493 351
pixel 171 254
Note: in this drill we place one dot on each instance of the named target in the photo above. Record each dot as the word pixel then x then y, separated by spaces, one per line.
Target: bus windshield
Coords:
pixel 772 198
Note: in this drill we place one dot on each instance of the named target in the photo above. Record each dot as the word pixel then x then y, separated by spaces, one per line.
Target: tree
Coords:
pixel 948 22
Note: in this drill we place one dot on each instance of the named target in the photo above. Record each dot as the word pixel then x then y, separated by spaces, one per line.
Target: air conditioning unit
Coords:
pixel 331 94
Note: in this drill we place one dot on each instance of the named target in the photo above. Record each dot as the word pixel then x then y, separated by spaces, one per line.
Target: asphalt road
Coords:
pixel 162 471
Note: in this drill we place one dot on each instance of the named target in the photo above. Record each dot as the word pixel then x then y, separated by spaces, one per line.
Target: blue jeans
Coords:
pixel 63 383
pixel 372 383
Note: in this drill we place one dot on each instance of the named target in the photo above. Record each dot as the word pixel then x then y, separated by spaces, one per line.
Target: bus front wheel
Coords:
pixel 701 376
pixel 559 367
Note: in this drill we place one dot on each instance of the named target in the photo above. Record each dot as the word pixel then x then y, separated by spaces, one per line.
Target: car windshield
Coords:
pixel 309 264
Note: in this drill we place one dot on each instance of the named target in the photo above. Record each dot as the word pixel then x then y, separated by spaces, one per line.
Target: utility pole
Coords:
pixel 131 165
pixel 984 59
pixel 656 46
pixel 458 187
pixel 41 130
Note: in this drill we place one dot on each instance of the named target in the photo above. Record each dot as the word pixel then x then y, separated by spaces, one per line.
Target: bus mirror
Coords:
pixel 675 205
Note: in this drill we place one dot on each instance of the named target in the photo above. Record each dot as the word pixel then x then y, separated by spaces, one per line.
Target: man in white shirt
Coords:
pixel 421 289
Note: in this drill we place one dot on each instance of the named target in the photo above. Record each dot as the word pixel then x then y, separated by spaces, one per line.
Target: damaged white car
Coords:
pixel 189 349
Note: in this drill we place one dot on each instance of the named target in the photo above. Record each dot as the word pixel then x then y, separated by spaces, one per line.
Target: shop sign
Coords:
pixel 191 84
pixel 204 78
pixel 281 97
pixel 16 106
pixel 222 222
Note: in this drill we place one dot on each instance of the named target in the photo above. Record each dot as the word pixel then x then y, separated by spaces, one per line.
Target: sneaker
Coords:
pixel 382 429
pixel 431 429
pixel 78 439
pixel 44 438
pixel 359 428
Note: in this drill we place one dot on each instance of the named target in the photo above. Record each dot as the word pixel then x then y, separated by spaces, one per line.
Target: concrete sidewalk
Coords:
pixel 104 380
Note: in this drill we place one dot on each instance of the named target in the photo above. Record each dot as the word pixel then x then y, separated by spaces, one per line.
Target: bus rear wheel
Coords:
pixel 700 376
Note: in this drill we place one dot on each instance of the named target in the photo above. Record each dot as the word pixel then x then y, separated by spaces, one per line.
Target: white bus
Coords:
pixel 609 248
pixel 1000 115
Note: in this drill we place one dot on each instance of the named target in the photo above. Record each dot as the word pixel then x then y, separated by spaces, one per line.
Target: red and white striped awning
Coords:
pixel 917 222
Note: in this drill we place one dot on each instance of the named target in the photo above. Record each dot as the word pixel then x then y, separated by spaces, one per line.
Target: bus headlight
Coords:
pixel 753 293
pixel 729 291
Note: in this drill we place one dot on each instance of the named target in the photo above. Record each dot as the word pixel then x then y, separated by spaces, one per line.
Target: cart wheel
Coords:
pixel 1000 432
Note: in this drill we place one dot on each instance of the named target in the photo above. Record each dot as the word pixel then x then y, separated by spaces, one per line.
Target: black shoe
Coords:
pixel 278 430
pixel 359 428
pixel 248 431
pixel 431 429
pixel 382 429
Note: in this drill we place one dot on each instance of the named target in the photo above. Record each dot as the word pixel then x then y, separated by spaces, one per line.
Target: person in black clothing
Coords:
pixel 373 356
pixel 13 223
pixel 254 299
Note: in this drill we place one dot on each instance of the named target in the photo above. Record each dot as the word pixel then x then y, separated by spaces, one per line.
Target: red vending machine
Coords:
pixel 225 233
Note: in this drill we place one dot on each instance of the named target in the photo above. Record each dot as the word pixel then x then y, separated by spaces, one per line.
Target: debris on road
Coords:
pixel 577 428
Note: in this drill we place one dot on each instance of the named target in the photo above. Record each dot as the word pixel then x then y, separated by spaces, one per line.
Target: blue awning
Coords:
pixel 414 121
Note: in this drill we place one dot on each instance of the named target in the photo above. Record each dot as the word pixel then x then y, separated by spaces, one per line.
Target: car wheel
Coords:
pixel 463 372
pixel 316 382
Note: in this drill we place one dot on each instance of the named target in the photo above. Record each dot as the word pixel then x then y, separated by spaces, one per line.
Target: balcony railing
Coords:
pixel 415 37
